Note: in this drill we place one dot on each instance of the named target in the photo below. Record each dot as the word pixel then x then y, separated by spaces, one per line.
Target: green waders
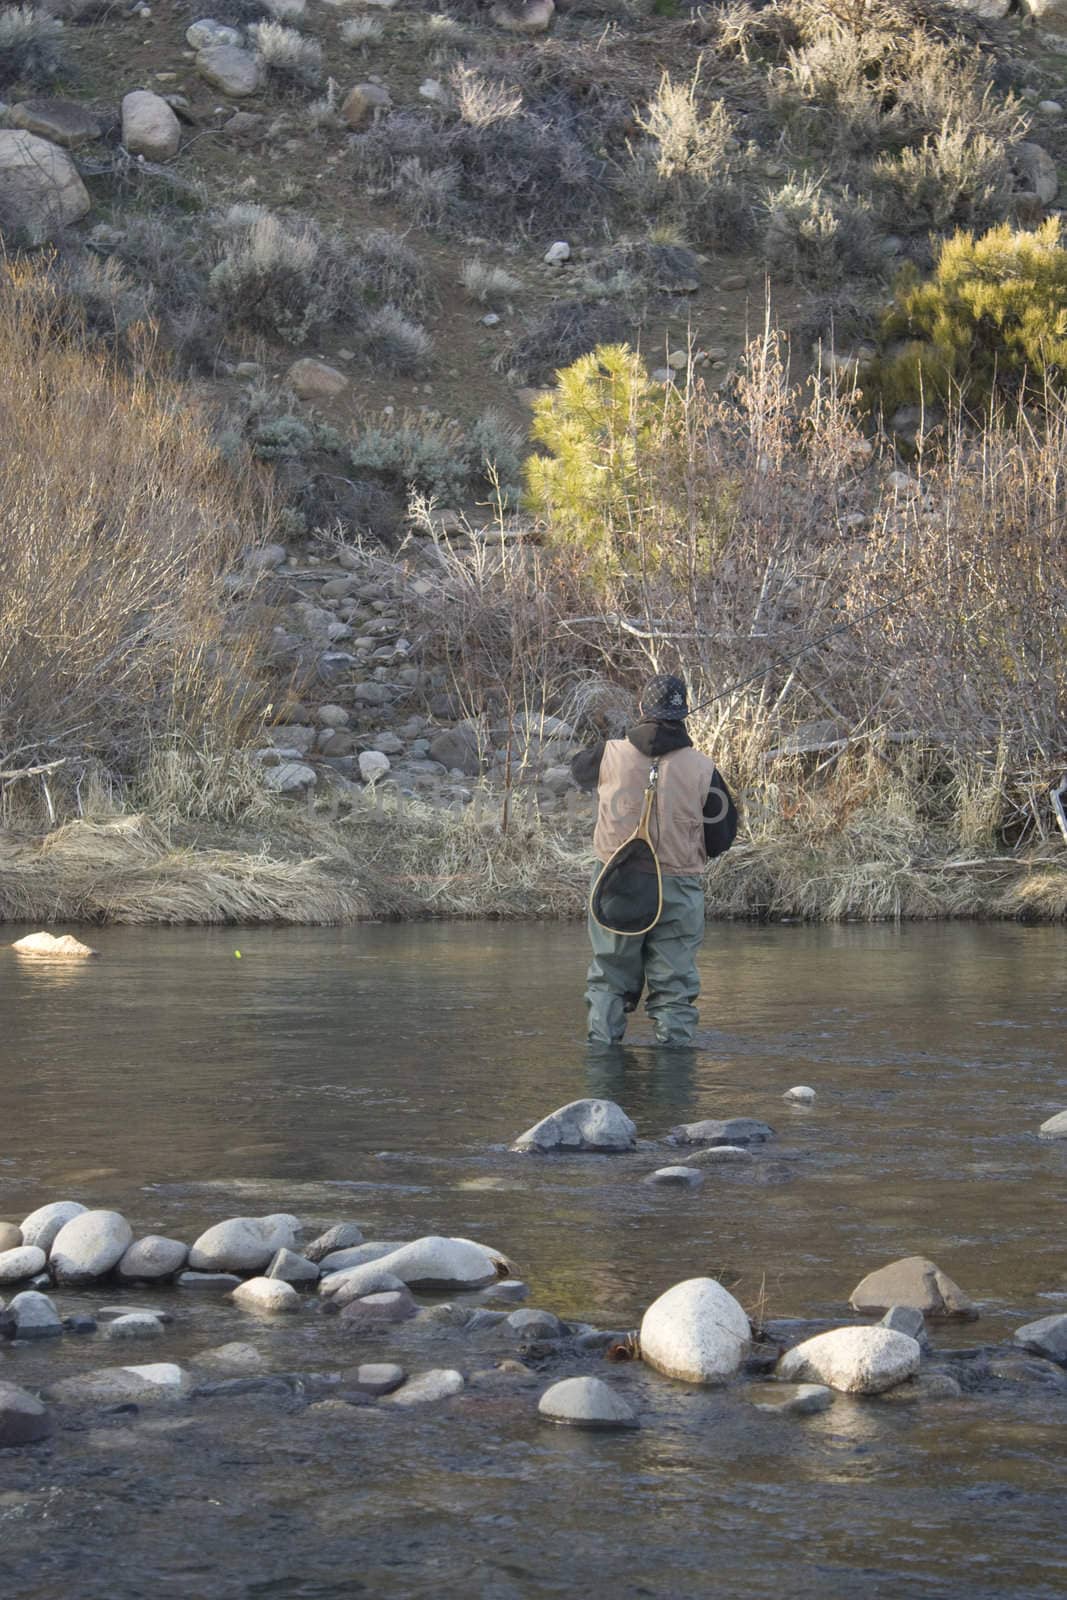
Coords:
pixel 664 959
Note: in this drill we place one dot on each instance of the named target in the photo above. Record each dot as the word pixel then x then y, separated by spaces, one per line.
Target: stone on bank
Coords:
pixel 697 1331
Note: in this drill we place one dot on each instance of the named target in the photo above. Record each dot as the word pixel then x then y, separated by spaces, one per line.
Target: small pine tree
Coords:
pixel 991 321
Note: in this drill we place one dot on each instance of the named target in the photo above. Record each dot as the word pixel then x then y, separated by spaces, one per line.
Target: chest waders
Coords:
pixel 627 894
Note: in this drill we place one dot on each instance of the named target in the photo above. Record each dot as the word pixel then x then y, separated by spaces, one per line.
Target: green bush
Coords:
pixel 992 320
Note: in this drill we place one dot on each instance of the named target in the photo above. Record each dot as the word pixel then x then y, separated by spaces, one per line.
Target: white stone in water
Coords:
pixel 355 1282
pixel 854 1360
pixel 680 1177
pixel 379 1377
pixel 719 1154
pixel 358 1255
pixel 233 1357
pixel 802 1094
pixel 1054 1128
pixel 586 1403
pixel 581 1125
pixel 135 1325
pixel 713 1130
pixel 35 1316
pixel 440 1263
pixel 241 1244
pixel 153 1257
pixel 161 1380
pixel 42 1226
pixel 63 948
pixel 26 1261
pixel 697 1331
pixel 343 1236
pixel 89 1246
pixel 269 1295
pixel 436 1385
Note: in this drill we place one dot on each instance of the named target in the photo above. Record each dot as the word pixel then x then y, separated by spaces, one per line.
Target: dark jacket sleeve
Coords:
pixel 585 766
pixel 720 818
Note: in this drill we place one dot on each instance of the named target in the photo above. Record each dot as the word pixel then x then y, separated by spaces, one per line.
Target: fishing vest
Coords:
pixel 685 776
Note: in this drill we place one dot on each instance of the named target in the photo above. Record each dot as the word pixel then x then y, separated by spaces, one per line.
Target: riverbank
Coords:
pixel 289 866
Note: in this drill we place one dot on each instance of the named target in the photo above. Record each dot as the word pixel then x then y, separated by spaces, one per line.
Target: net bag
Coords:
pixel 627 896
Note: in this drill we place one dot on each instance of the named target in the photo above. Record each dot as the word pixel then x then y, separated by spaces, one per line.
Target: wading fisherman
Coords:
pixel 693 820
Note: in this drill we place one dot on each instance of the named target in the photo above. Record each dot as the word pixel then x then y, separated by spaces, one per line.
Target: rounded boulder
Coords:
pixel 89 1246
pixel 853 1360
pixel 241 1244
pixel 697 1331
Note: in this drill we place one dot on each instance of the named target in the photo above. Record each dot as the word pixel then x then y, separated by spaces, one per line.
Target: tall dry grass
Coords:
pixel 119 636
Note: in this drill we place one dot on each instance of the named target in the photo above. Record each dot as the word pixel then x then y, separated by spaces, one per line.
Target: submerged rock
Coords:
pixel 906 1319
pixel 378 1377
pixel 854 1360
pixel 341 1236
pixel 135 1325
pixel 241 1244
pixel 732 1131
pixel 429 1386
pixel 377 1311
pixel 586 1403
pixel 42 1226
pixel 89 1246
pixel 211 1282
pixel 581 1125
pixel 534 1324
pixel 697 1331
pixel 269 1295
pixel 35 1316
pixel 795 1400
pixel 153 1257
pixel 916 1282
pixel 719 1155
pixel 1048 1336
pixel 680 1177
pixel 23 1419
pixel 233 1357
pixel 802 1094
pixel 25 1261
pixel 161 1380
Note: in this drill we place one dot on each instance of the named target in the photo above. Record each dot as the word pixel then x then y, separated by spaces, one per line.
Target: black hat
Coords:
pixel 664 699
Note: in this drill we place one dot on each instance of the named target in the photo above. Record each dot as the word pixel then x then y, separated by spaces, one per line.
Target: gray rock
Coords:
pixel 268 1296
pixel 716 1155
pixel 795 1399
pixel 10 1236
pixel 359 1255
pixel 586 1403
pixel 916 1282
pixel 457 750
pixel 24 1262
pixel 354 1282
pixel 290 777
pixel 534 1324
pixel 207 32
pixel 440 1263
pixel 228 68
pixel 42 1226
pixel 696 1331
pixel 734 1130
pixel 241 1244
pixel 292 1268
pixel 377 1311
pixel 135 1325
pixel 159 1381
pixel 1047 1336
pixel 854 1360
pixel 152 1258
pixel 378 1377
pixel 373 765
pixel 906 1319
pixel 1054 1128
pixel 234 1357
pixel 1029 1371
pixel 429 1386
pixel 149 126
pixel 687 1177
pixel 35 1316
pixel 23 1419
pixel 581 1125
pixel 210 1282
pixel 41 192
pixel 343 1236
pixel 1037 170
pixel 110 1313
pixel 61 122
pixel 89 1246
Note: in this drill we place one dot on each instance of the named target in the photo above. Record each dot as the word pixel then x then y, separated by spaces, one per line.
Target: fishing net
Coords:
pixel 627 897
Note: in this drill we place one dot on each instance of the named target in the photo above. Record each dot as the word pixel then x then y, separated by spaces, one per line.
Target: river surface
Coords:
pixel 377 1075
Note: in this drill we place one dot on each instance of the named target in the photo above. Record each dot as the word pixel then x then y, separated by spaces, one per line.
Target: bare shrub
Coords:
pixel 660 264
pixel 389 269
pixel 488 285
pixel 289 12
pixel 481 102
pixel 285 279
pixel 292 62
pixel 812 237
pixel 97 299
pixel 688 168
pixel 394 342
pixel 559 335
pixel 956 177
pixel 121 523
pixel 360 32
pixel 31 46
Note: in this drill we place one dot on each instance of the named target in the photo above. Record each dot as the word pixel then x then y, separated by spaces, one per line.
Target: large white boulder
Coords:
pixel 914 1282
pixel 581 1125
pixel 697 1331
pixel 1054 1128
pixel 439 1263
pixel 35 1316
pixel 586 1403
pixel 149 126
pixel 90 1245
pixel 267 1295
pixel 854 1360
pixel 42 1226
pixel 153 1257
pixel 24 1262
pixel 241 1244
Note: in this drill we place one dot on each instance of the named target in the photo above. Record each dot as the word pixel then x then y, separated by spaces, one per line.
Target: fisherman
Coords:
pixel 694 820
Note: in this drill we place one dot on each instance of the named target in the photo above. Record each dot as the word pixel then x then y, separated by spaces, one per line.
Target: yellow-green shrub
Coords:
pixel 992 319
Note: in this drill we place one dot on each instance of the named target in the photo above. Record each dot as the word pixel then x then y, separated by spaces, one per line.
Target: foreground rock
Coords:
pixel 90 1245
pixel 35 1316
pixel 359 1255
pixel 153 1257
pixel 712 1131
pixel 854 1360
pixel 586 1403
pixel 697 1331
pixel 429 1386
pixel 160 1381
pixel 1048 1337
pixel 23 1419
pixel 42 1226
pixel 241 1244
pixel 915 1282
pixel 581 1125
pixel 269 1295
pixel 149 126
pixel 47 944
pixel 62 122
pixel 24 1262
pixel 1055 1127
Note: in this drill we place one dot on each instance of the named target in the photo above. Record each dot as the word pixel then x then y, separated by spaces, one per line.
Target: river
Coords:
pixel 377 1074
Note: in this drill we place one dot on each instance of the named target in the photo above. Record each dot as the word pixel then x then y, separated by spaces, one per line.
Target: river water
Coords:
pixel 377 1074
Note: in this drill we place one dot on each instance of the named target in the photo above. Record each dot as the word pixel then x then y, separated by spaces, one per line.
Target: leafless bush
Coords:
pixel 359 32
pixel 31 46
pixel 389 269
pixel 557 336
pixel 957 177
pixel 688 169
pixel 285 279
pixel 394 342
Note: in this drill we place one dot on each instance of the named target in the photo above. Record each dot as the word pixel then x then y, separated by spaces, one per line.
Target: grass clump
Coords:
pixel 486 284
pixel 558 336
pixel 389 269
pixel 687 170
pixel 31 46
pixel 283 279
pixel 991 320
pixel 292 62
pixel 394 342
pixel 359 32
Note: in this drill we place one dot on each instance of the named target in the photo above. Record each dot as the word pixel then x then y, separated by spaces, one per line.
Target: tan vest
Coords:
pixel 677 826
